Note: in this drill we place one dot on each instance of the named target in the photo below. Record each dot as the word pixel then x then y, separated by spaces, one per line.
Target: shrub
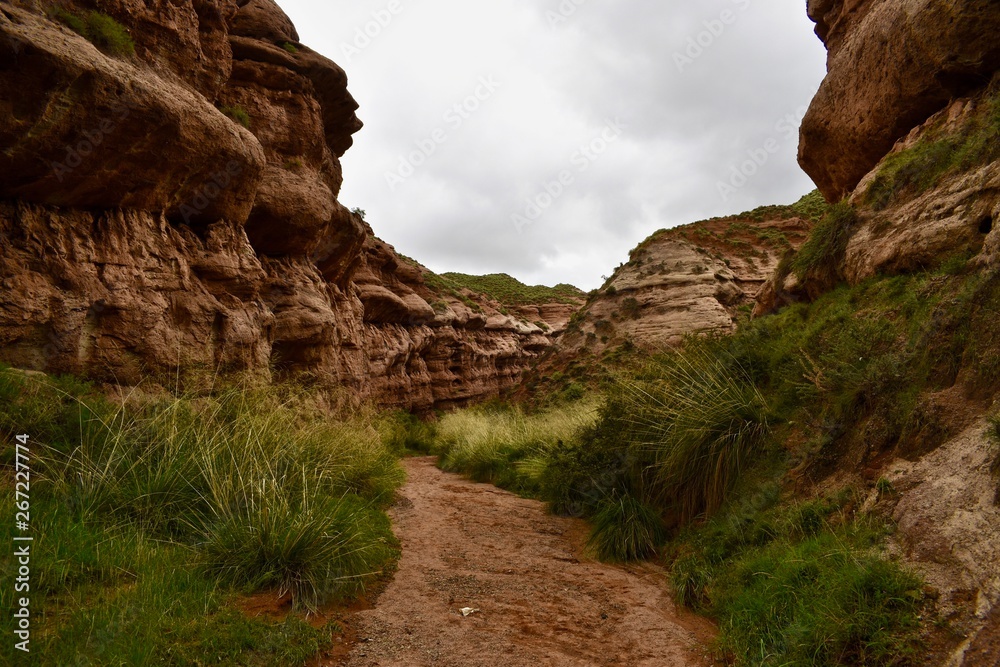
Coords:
pixel 101 30
pixel 626 529
pixel 827 244
pixel 291 48
pixel 576 475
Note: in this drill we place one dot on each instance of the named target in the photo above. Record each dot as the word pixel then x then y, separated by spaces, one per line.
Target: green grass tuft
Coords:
pixel 238 114
pixel 696 421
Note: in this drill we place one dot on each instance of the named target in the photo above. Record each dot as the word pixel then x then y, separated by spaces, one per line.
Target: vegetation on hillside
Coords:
pixel 938 153
pixel 104 32
pixel 153 516
pixel 512 292
pixel 691 451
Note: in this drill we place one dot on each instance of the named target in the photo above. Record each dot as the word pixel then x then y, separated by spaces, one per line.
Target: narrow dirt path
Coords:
pixel 540 601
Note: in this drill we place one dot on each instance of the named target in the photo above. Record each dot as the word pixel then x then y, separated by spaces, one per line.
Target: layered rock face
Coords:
pixel 687 280
pixel 177 207
pixel 905 127
pixel 892 64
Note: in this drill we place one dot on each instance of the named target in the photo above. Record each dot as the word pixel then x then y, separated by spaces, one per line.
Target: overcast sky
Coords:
pixel 546 138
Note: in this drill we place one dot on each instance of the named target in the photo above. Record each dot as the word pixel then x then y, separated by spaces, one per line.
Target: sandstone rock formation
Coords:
pixel 687 280
pixel 177 207
pixel 891 65
pixel 949 522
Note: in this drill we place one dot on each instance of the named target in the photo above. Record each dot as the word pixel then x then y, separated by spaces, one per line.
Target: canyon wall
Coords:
pixel 169 200
pixel 905 129
pixel 696 278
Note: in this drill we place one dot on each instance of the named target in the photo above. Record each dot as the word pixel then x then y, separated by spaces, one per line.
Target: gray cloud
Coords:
pixel 563 76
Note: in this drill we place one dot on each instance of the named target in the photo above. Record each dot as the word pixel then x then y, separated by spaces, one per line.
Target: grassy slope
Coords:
pixel 152 520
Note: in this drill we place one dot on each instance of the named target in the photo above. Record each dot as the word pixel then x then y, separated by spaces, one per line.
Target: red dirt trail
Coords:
pixel 540 601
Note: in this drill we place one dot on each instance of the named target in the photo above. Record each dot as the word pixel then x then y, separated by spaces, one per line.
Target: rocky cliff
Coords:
pixel 905 130
pixel 696 278
pixel 168 198
pixel 892 64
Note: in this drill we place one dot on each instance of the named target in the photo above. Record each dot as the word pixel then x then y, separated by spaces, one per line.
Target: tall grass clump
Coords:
pixel 506 446
pixel 266 491
pixel 153 516
pixel 626 529
pixel 696 421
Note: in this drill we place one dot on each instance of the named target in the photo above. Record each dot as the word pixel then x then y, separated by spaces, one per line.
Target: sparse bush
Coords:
pixel 631 308
pixel 828 242
pixel 291 48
